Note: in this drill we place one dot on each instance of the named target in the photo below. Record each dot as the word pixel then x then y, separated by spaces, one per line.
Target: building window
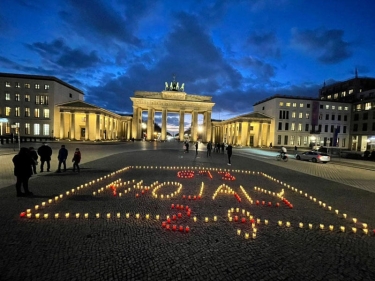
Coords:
pixel 278 139
pixel 46 113
pixel 336 96
pixel 27 128
pixel 286 126
pixel 280 126
pixel 7 111
pixel 344 129
pixel 356 117
pixel 346 108
pixel 286 140
pixel 46 129
pixel 333 117
pixel 327 106
pixel 18 85
pixel 17 111
pixel 308 105
pixel 281 103
pixel 351 91
pixel 327 116
pixel 364 127
pixel 301 105
pixel 339 107
pixel 37 99
pixel 17 97
pixel 325 128
pixel 293 114
pixel 294 104
pixel 291 140
pixel 365 116
pixel 41 99
pixel 333 107
pixel 27 112
pixel 283 114
pixel 306 127
pixel 355 128
pixel 367 105
pixel 329 97
pixel 320 116
pixel 27 97
pixel 70 95
pixel 36 113
pixel 288 104
pixel 300 115
pixel 332 128
pixel 36 129
pixel 343 142
pixel 307 115
pixel 299 127
pixel 7 85
pixel 304 140
pixel 46 87
pixel 373 127
pixel 320 106
pixel 345 118
pixel 358 107
pixel 319 128
pixel 37 86
pixel 293 127
pixel 7 96
pixel 339 117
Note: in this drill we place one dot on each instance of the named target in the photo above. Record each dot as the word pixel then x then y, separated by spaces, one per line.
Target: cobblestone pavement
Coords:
pixel 137 247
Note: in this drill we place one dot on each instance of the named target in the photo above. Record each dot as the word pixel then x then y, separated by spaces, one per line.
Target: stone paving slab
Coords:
pixel 140 249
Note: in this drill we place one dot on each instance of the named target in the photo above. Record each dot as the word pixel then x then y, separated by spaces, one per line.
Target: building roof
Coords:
pixel 40 77
pixel 78 104
pixel 286 97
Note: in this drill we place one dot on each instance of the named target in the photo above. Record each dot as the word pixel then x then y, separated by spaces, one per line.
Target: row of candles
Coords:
pixel 195 197
pixel 223 188
pixel 208 173
pixel 185 174
pixel 227 176
pixel 195 168
pixel 176 184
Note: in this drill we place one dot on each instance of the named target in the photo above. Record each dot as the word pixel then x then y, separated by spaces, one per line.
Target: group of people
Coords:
pixel 216 149
pixel 26 161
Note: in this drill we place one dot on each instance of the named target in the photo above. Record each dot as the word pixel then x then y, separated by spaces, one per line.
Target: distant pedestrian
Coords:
pixel 196 148
pixel 34 156
pixel 270 144
pixel 23 171
pixel 222 147
pixel 45 153
pixel 209 148
pixel 187 147
pixel 229 152
pixel 63 154
pixel 76 159
pixel 295 149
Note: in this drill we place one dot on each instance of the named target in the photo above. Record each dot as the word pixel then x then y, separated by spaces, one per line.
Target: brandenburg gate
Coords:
pixel 172 100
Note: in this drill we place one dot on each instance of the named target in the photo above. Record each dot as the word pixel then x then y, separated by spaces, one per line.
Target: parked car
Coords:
pixel 314 156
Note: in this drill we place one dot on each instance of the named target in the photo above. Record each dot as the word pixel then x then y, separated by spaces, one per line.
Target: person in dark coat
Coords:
pixel 34 156
pixel 196 148
pixel 63 154
pixel 76 159
pixel 209 148
pixel 45 153
pixel 229 152
pixel 23 171
pixel 222 147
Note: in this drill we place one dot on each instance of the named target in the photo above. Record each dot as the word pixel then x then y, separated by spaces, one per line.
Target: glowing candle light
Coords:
pixel 364 225
pixel 235 218
pixel 137 216
pixel 266 222
pixel 300 225
pixel 354 229
pixel 163 224
pixel 37 215
pixel 46 216
pixel 287 224
pixel 354 220
pixel 342 228
pixel 331 227
pixel 181 228
pixel 337 212
pixel 43 204
pixel 206 219
pixel 36 207
pixel 97 215
pixel 247 235
pixel 174 227
pixel 56 215
pixel 254 235
pixel 215 218
pixel 365 231
pixel 238 231
pixel 77 215
pixel 321 226
pixel 230 218
pixel 118 215
pixel 344 215
pixel 310 226
pixel 127 215
pixel 50 201
pixel 86 215
pixel 67 215
pixel 187 229
pixel 157 217
pixel 195 219
pixel 280 223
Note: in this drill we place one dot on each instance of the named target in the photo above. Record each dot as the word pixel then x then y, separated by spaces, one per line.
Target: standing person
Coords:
pixel 196 148
pixel 222 147
pixel 229 152
pixel 63 154
pixel 209 147
pixel 295 149
pixel 76 159
pixel 34 156
pixel 45 153
pixel 23 171
pixel 187 147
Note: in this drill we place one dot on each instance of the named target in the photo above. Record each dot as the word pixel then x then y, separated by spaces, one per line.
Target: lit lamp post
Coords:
pixel 144 126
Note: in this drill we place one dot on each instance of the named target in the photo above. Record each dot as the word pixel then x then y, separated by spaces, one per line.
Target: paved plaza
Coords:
pixel 257 219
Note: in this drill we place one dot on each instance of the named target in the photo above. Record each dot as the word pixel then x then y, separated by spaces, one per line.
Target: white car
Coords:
pixel 314 156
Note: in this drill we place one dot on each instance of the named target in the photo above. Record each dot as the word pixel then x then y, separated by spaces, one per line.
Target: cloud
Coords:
pixel 58 53
pixel 328 46
pixel 264 44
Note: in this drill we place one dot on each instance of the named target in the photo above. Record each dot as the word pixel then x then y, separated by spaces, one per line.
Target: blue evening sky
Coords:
pixel 239 52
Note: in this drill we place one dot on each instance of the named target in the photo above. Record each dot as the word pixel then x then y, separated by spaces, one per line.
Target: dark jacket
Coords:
pixel 77 157
pixel 34 155
pixel 22 163
pixel 63 154
pixel 229 149
pixel 45 153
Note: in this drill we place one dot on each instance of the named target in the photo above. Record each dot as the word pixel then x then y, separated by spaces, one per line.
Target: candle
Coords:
pixel 195 219
pixel 187 229
pixel 172 206
pixel 310 226
pixel 215 218
pixel 86 215
pixel 36 207
pixel 364 225
pixel 238 231
pixel 108 216
pixel 163 224
pixel 266 222
pixel 167 227
pixel 300 225
pixel 43 204
pixel 331 227
pixel 365 231
pixel 28 215
pixel 344 215
pixel 67 215
pixel 280 223
pixel 174 217
pixel 287 224
pixel 174 227
pixel 181 228
pixel 337 212
pixel 157 217
pixel 46 216
pixel 37 215
pixel 354 220
pixel 342 228
pixel 127 215
pixel 147 216
pixel 56 215
pixel 206 219
pixel 254 235
pixel 321 226
pixel 23 214
pixel 97 215
pixel 247 235
pixel 230 218
pixel 137 216
pixel 179 215
pixel 354 229
pixel 235 218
